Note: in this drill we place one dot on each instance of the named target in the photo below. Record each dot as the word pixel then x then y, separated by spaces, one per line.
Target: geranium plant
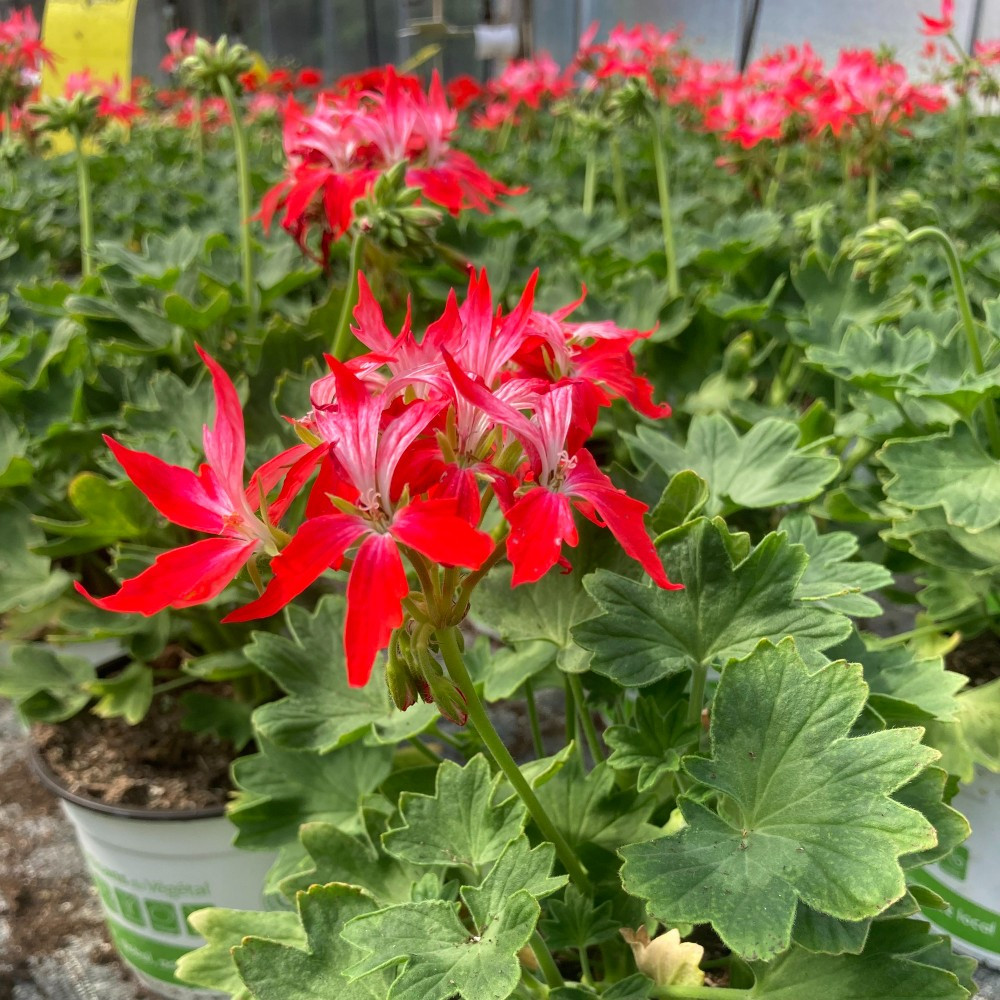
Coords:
pixel 747 786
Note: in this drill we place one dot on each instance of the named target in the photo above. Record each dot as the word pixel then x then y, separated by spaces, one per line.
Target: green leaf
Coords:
pixel 510 667
pixel 763 468
pixel 458 824
pixel 591 809
pixel 979 714
pixel 15 468
pixel 576 922
pixel 833 577
pixel 726 606
pixel 336 856
pixel 223 718
pixel 945 470
pixel 653 740
pixel 926 794
pixel 212 965
pixel 322 711
pixel 683 500
pixel 27 580
pixel 519 867
pixel 798 974
pixel 281 789
pixel 46 685
pixel 126 695
pixel 438 955
pixel 805 815
pixel 819 932
pixel 276 971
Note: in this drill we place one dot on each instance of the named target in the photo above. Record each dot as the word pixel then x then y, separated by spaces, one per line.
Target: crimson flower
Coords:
pixel 212 500
pixel 942 25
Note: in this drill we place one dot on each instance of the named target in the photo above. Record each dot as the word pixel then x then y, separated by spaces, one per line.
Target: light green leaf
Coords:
pixel 27 580
pixel 591 809
pixel 127 694
pixel 459 824
pixel 833 577
pixel 979 714
pixel 276 971
pixel 224 718
pixel 322 711
pixel 336 856
pixel 726 606
pixel 518 867
pixel 281 789
pixel 763 468
pixel 806 810
pixel 926 794
pixel 654 739
pixel 510 667
pixel 212 965
pixel 440 958
pixel 576 922
pixel 819 932
pixel 45 685
pixel 945 470
pixel 683 500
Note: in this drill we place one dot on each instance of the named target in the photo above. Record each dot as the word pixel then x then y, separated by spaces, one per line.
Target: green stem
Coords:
pixel 424 750
pixel 699 677
pixel 618 176
pixel 771 198
pixel 86 206
pixel 536 729
pixel 177 682
pixel 569 707
pixel 586 973
pixel 245 199
pixel 198 133
pixel 871 205
pixel 968 322
pixel 341 338
pixel 698 993
pixel 663 191
pixel 484 727
pixel 590 182
pixel 963 129
pixel 593 741
pixel 546 963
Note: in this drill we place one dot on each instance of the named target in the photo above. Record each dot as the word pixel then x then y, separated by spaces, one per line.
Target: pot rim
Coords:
pixel 49 779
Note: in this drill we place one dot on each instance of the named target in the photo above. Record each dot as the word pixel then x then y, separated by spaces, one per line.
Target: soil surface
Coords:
pixel 153 765
pixel 978 659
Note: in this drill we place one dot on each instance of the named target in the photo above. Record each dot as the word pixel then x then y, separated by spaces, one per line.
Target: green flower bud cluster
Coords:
pixel 633 104
pixel 211 62
pixel 413 672
pixel 77 113
pixel 391 215
pixel 876 249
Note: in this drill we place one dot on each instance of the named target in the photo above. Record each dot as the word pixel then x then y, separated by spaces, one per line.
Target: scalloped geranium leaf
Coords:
pixel 459 824
pixel 439 958
pixel 833 576
pixel 653 740
pixel 281 789
pixel 322 711
pixel 800 973
pixel 728 604
pixel 212 965
pixel 276 971
pixel 27 580
pixel 819 932
pixel 904 686
pixel 336 856
pixel 927 794
pixel 945 470
pixel 45 684
pixel 575 921
pixel 880 360
pixel 932 538
pixel 519 867
pixel 806 814
pixel 763 468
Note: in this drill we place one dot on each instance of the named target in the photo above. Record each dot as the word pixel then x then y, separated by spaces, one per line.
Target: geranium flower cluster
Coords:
pixel 22 57
pixel 449 451
pixel 339 148
pixel 111 101
pixel 642 51
pixel 524 84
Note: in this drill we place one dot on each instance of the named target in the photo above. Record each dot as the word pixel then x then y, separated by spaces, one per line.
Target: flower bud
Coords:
pixel 209 62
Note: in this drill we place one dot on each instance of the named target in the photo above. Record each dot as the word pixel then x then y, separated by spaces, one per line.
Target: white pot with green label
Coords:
pixel 152 869
pixel 969 878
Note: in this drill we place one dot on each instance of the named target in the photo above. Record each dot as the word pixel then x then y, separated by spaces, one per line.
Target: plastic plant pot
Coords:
pixel 969 878
pixel 152 869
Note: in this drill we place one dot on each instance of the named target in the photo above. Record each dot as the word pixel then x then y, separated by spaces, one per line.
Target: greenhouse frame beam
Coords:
pixel 748 29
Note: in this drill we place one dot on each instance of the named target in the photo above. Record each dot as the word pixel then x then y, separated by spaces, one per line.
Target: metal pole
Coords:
pixel 751 12
pixel 976 24
pixel 371 33
pixel 328 32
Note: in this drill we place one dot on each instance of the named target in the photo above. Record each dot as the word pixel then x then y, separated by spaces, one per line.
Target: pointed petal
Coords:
pixel 225 443
pixel 539 523
pixel 180 578
pixel 434 529
pixel 375 591
pixel 318 545
pixel 621 513
pixel 195 502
